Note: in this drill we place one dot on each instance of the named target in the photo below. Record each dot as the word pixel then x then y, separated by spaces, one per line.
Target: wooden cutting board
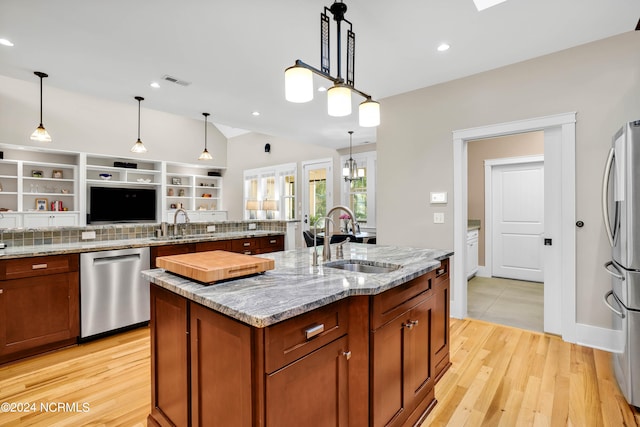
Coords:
pixel 213 266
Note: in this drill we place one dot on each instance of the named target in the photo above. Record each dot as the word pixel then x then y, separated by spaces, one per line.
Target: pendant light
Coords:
pixel 40 134
pixel 139 147
pixel 350 169
pixel 205 153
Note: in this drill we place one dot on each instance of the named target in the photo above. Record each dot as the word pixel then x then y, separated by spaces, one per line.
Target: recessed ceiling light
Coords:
pixel 322 89
pixel 443 47
pixel 155 85
pixel 6 42
pixel 256 113
pixel 485 4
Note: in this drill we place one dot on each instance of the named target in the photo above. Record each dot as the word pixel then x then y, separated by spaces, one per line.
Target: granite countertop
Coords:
pixel 92 246
pixel 295 286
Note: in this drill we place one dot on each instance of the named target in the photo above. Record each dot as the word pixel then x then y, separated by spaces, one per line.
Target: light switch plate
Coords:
pixel 438 217
pixel 86 235
pixel 211 228
pixel 252 226
pixel 438 197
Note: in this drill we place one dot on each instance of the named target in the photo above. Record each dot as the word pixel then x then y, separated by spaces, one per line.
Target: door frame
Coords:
pixel 560 135
pixel 305 188
pixel 487 270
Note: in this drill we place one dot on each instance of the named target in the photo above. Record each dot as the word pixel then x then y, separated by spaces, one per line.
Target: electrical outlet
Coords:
pixel 438 217
pixel 211 228
pixel 252 226
pixel 86 235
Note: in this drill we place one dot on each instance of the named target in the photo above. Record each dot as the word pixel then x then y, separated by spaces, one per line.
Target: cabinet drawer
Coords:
pixel 37 266
pixel 244 245
pixel 271 243
pixel 218 245
pixel 292 339
pixel 388 305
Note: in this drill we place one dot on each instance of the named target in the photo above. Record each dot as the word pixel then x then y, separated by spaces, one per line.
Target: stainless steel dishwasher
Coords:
pixel 113 294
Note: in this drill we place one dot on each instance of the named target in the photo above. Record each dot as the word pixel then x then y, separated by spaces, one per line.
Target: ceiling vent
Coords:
pixel 175 80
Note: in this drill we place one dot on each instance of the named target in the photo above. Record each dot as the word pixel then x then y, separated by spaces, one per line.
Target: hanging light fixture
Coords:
pixel 350 170
pixel 139 147
pixel 41 134
pixel 205 153
pixel 298 79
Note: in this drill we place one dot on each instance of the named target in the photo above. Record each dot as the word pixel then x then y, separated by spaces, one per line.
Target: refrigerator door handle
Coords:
pixel 617 274
pixel 608 304
pixel 605 195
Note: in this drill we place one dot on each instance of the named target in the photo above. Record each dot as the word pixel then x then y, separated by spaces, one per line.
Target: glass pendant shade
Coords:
pixel 350 170
pixel 298 84
pixel 138 147
pixel 205 155
pixel 41 134
pixel 339 101
pixel 369 114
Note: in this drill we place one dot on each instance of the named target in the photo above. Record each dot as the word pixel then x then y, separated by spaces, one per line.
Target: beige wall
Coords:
pixel 600 81
pixel 523 144
pixel 83 123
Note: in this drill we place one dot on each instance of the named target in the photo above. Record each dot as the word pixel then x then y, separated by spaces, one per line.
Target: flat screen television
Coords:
pixel 114 204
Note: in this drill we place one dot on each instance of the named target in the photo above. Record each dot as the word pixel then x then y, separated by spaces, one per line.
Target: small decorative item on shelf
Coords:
pixel 144 180
pixel 206 195
pixel 170 192
pixel 105 176
pixel 57 174
pixel 173 206
pixel 41 204
pixel 36 174
pixel 181 192
pixel 176 181
pixel 65 191
pixel 56 205
pixel 0 186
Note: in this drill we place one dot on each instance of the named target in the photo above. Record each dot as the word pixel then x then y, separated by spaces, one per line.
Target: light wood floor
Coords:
pixel 500 376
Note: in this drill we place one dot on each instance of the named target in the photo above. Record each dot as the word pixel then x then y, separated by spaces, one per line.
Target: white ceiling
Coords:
pixel 234 52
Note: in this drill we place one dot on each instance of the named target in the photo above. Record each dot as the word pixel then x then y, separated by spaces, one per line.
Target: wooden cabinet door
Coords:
pixel 387 389
pixel 440 328
pixel 221 370
pixel 312 391
pixel 169 358
pixel 402 365
pixel 38 311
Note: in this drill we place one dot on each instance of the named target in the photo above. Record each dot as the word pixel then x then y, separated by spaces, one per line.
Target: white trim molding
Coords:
pixel 565 124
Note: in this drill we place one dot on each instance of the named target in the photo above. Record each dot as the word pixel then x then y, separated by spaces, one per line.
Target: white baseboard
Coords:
pixel 483 271
pixel 611 340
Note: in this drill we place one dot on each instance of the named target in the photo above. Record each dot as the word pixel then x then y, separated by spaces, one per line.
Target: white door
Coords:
pixel 518 221
pixel 317 190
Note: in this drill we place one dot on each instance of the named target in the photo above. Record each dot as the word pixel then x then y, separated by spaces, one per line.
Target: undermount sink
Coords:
pixel 363 266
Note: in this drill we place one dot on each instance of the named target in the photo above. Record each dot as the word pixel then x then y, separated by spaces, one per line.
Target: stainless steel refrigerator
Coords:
pixel 621 211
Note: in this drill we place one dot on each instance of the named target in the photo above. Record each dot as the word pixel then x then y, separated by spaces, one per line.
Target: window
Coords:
pixel 269 193
pixel 359 194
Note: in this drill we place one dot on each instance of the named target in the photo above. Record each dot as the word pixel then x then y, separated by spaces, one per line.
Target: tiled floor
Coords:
pixel 506 302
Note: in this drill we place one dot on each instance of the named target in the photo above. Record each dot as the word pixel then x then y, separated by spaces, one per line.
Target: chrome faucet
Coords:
pixel 326 250
pixel 175 220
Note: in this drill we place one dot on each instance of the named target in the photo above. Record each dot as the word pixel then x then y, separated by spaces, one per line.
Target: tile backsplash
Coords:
pixel 57 235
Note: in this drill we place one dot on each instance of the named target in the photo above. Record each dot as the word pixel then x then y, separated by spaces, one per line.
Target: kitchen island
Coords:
pixel 303 345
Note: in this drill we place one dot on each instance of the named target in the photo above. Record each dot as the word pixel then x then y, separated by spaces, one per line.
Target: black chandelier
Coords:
pixel 299 78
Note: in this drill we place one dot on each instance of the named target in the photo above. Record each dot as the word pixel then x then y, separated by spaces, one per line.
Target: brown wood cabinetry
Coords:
pixel 248 246
pixel 39 305
pixel 362 361
pixel 401 355
pixel 243 376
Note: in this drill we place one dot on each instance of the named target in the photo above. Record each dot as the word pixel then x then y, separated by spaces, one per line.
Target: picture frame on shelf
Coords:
pixel 41 204
pixel 176 181
pixel 36 173
pixel 57 174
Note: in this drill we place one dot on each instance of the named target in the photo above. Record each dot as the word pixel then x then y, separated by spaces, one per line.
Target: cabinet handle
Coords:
pixel 38 266
pixel 245 244
pixel 440 271
pixel 314 331
pixel 410 324
pixel 273 242
pixel 347 354
pixel 1 291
